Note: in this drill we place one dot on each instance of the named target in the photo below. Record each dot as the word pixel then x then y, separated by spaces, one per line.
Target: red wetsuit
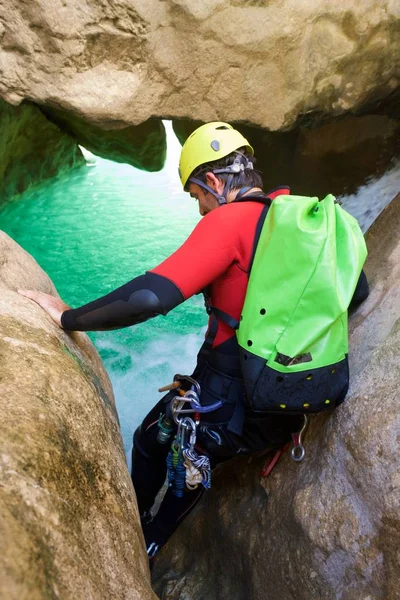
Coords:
pixel 217 256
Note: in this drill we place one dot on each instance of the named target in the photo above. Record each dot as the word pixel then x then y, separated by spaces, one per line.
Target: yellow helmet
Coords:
pixel 207 143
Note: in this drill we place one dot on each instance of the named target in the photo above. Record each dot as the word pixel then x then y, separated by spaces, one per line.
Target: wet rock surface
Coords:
pixel 69 526
pixel 328 528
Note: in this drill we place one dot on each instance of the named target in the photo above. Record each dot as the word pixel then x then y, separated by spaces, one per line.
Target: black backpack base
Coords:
pixel 301 392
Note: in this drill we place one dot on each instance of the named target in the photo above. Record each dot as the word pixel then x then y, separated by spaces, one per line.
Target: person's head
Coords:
pixel 216 164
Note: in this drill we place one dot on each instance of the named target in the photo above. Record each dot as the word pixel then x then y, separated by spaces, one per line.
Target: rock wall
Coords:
pixel 69 524
pixel 31 149
pixel 328 528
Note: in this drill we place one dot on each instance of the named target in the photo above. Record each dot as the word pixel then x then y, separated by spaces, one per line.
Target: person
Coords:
pixel 217 169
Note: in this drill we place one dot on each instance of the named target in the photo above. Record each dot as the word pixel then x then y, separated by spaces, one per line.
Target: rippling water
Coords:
pixel 96 228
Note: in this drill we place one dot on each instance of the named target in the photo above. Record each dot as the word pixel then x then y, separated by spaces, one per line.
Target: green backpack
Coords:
pixel 293 335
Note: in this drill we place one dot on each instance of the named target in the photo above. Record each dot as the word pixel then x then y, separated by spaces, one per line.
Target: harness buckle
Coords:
pixel 207 303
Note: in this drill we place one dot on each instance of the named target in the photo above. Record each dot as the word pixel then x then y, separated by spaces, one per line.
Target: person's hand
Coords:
pixel 52 305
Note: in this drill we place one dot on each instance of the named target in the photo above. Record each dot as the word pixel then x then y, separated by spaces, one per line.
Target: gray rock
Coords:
pixel 328 528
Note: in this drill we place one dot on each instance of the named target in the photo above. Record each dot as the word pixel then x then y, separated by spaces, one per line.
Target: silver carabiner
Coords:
pixel 190 397
pixel 193 397
pixel 188 423
pixel 188 428
pixel 179 377
pixel 177 409
pixel 298 451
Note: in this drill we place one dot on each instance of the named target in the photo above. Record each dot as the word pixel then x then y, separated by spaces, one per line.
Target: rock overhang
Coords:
pixel 108 73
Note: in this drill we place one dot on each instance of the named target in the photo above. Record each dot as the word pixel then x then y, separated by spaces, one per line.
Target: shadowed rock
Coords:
pixel 144 146
pixel 328 528
pixel 335 158
pixel 69 527
pixel 31 149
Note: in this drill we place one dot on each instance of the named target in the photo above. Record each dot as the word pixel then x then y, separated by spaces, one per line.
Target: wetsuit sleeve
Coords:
pixel 207 253
pixel 361 292
pixel 140 299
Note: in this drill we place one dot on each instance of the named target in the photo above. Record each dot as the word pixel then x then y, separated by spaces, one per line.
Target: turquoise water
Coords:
pixel 96 228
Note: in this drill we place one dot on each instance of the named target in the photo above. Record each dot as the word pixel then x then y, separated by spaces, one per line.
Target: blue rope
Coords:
pixel 180 479
pixel 176 470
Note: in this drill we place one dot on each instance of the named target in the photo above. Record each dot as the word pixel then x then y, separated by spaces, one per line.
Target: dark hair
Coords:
pixel 247 177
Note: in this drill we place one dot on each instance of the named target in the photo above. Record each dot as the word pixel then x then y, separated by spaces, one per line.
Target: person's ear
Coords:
pixel 214 182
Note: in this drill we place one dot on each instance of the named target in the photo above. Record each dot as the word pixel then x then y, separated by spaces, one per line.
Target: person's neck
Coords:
pixel 232 195
pixel 252 191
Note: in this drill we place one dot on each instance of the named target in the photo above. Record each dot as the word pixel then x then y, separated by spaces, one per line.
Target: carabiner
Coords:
pixel 188 437
pixel 298 451
pixel 192 381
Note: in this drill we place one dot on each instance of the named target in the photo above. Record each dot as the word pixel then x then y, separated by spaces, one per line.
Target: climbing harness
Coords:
pixel 186 467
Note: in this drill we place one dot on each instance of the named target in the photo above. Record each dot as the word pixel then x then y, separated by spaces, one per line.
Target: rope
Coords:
pixel 198 469
pixel 176 470
pixel 193 476
pixel 185 466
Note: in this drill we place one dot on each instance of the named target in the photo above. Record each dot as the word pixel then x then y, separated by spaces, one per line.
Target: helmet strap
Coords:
pixel 239 164
pixel 242 192
pixel 220 199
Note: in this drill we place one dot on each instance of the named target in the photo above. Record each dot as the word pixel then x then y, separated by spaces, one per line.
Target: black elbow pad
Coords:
pixel 138 300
